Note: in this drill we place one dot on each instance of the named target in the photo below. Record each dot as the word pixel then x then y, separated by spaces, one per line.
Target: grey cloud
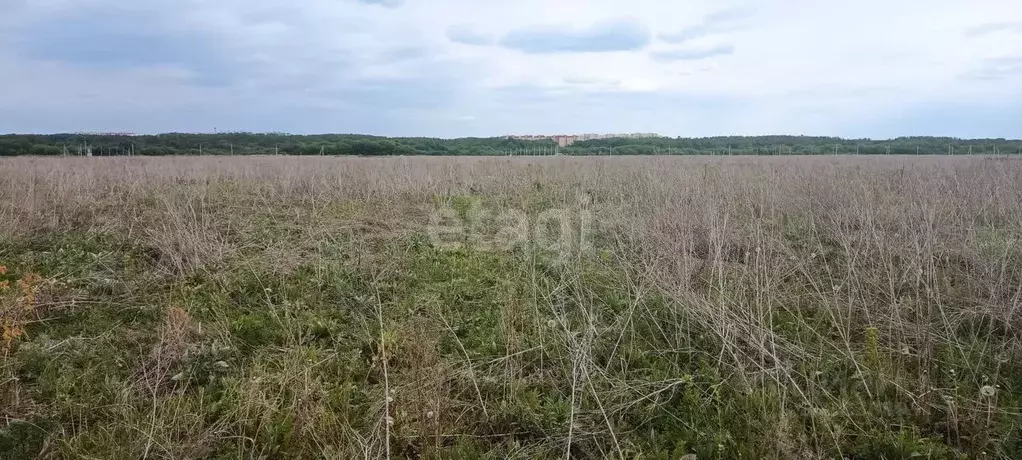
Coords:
pixel 986 29
pixel 693 54
pixel 468 36
pixel 259 46
pixel 406 53
pixel 123 38
pixel 720 22
pixel 997 69
pixel 728 15
pixel 621 34
pixel 256 68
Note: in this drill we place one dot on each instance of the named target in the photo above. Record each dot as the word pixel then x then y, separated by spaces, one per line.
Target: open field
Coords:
pixel 459 308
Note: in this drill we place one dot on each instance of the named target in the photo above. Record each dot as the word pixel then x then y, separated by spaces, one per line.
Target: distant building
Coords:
pixel 564 140
pixel 104 134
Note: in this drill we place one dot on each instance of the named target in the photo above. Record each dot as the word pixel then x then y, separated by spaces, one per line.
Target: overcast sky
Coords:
pixel 451 68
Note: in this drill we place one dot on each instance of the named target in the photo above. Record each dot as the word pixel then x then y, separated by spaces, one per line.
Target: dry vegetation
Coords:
pixel 278 307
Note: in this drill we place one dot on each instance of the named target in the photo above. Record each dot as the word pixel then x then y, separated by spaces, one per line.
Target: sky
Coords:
pixel 458 68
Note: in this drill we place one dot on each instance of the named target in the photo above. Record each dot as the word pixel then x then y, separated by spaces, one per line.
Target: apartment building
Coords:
pixel 564 140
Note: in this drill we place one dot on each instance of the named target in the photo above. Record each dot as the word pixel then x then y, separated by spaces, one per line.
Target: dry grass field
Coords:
pixel 527 308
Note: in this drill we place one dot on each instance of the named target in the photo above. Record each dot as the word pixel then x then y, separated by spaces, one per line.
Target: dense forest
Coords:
pixel 351 144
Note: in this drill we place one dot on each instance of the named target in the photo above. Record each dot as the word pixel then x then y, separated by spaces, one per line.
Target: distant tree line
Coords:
pixel 794 145
pixel 351 144
pixel 257 144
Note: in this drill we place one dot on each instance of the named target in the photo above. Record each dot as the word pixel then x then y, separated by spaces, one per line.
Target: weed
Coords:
pixel 770 308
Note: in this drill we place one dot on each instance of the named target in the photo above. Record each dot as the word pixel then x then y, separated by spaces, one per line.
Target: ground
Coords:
pixel 461 308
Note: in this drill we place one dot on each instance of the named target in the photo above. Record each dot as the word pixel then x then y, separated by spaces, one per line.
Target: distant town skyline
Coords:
pixel 564 140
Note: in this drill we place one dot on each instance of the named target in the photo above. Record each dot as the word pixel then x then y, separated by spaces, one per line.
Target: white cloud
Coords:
pixel 434 67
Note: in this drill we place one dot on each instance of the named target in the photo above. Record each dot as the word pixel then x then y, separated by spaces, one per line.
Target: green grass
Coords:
pixel 297 342
pixel 286 365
